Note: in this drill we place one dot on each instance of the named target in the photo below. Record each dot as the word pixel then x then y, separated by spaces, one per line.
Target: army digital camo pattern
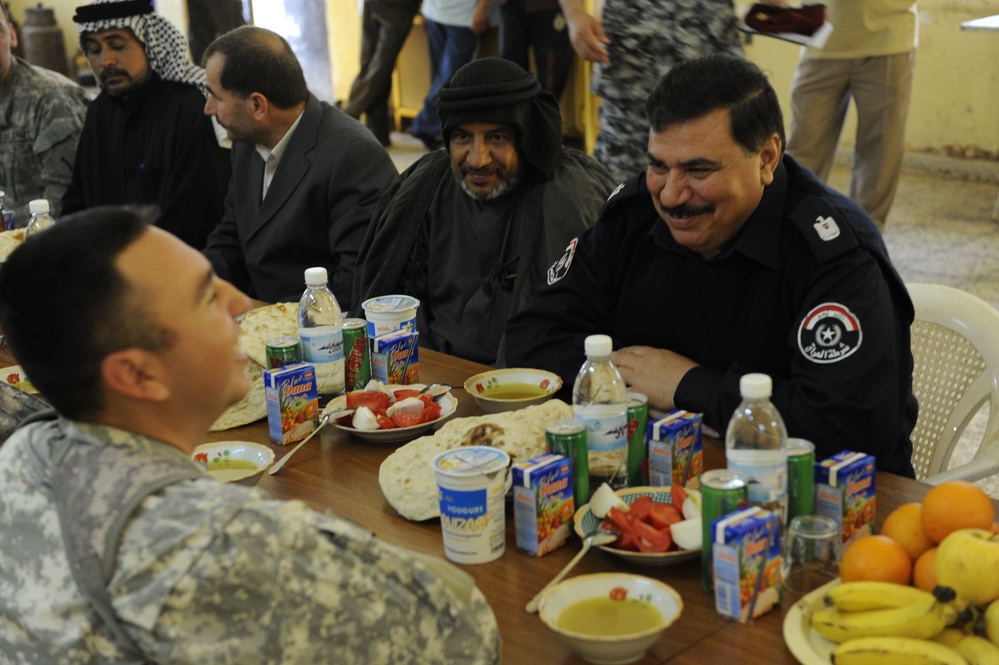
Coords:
pixel 647 38
pixel 41 116
pixel 207 572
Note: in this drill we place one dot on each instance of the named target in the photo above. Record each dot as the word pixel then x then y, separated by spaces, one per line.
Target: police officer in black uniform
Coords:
pixel 727 257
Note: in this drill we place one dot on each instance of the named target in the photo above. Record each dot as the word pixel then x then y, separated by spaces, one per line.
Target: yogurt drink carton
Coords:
pixel 845 491
pixel 747 563
pixel 395 358
pixel 543 504
pixel 675 448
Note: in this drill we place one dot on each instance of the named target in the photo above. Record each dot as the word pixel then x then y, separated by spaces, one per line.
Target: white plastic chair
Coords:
pixel 955 346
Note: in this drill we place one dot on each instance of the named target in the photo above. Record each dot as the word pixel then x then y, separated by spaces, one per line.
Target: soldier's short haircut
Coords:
pixel 64 306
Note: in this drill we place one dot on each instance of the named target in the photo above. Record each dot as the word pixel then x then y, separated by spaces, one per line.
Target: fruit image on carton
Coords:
pixel 747 563
pixel 675 448
pixel 292 402
pixel 845 491
pixel 543 503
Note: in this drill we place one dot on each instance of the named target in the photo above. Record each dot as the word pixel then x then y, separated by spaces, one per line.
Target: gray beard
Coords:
pixel 504 187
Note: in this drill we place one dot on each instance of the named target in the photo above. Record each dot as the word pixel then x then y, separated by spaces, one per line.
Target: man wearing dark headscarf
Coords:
pixel 146 139
pixel 470 227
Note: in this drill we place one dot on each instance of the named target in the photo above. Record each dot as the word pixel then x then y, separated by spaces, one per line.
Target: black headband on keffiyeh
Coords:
pixel 165 45
pixel 498 90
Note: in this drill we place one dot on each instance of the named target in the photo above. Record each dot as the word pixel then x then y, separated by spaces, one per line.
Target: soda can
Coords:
pixel 638 454
pixel 567 437
pixel 283 351
pixel 800 478
pixel 722 492
pixel 356 353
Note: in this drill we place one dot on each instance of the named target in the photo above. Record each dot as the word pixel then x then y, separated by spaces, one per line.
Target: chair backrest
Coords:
pixel 955 347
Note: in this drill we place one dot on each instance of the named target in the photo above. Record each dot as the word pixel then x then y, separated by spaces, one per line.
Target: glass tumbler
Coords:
pixel 811 553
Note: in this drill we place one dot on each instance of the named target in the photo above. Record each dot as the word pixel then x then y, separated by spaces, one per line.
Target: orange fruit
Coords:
pixel 905 526
pixel 876 558
pixel 955 505
pixel 924 573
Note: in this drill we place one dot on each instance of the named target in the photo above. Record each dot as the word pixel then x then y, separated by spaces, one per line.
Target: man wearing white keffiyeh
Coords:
pixel 145 139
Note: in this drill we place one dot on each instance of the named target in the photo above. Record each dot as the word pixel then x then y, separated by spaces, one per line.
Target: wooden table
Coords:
pixel 339 473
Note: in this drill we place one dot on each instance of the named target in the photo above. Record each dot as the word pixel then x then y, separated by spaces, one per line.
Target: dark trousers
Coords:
pixel 384 28
pixel 208 19
pixel 547 31
pixel 451 47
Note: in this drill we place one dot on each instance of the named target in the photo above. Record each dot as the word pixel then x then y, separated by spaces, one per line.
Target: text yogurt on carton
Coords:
pixel 746 561
pixel 675 448
pixel 845 491
pixel 543 504
pixel 292 402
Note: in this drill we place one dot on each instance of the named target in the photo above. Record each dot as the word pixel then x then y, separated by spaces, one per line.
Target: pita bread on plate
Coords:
pixel 251 408
pixel 406 477
pixel 9 241
pixel 263 324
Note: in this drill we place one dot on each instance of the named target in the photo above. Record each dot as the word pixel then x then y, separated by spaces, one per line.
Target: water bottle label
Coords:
pixel 608 428
pixel 321 348
pixel 769 480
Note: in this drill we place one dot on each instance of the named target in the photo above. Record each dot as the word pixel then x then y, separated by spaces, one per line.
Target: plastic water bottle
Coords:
pixel 321 332
pixel 755 444
pixel 40 218
pixel 600 399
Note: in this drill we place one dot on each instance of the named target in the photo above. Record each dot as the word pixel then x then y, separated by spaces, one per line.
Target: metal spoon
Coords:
pixel 322 423
pixel 598 537
pixel 436 390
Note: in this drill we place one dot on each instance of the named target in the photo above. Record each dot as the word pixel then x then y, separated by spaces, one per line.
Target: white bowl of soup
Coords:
pixel 610 618
pixel 233 461
pixel 511 389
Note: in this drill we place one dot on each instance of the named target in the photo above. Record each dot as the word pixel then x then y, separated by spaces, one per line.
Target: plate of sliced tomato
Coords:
pixel 644 528
pixel 394 425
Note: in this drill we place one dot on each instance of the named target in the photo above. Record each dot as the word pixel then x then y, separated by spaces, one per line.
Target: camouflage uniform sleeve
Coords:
pixel 215 573
pixel 60 119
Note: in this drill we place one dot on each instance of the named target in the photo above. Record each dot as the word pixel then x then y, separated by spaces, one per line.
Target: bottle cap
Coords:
pixel 755 386
pixel 316 276
pixel 38 206
pixel 598 345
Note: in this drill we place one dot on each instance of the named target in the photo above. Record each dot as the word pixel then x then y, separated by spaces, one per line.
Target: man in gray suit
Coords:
pixel 305 176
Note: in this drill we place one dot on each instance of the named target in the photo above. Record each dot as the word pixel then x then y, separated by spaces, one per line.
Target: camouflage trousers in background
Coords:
pixel 647 38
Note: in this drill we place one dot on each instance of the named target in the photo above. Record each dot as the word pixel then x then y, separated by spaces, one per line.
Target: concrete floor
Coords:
pixel 940 230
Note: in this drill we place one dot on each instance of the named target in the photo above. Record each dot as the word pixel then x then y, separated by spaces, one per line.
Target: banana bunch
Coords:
pixel 880 609
pixel 895 651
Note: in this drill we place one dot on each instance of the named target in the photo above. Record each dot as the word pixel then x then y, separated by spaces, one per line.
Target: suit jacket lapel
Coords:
pixel 294 164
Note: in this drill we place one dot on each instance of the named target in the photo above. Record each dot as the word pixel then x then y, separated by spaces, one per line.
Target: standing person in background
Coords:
pixel 454 28
pixel 146 139
pixel 633 44
pixel 305 176
pixel 209 19
pixel 385 24
pixel 541 24
pixel 869 57
pixel 41 116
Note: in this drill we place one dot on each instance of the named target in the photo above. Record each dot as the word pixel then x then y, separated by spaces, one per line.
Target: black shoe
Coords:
pixel 432 141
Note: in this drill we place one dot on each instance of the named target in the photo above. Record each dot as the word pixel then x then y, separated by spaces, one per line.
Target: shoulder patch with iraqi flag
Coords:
pixel 829 333
pixel 561 267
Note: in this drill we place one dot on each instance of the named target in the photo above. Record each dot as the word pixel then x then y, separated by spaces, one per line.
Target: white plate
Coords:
pixel 807 645
pixel 16 377
pixel 215 454
pixel 448 402
pixel 586 522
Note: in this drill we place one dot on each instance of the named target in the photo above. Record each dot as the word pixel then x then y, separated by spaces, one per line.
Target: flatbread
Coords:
pixel 251 408
pixel 406 477
pixel 9 241
pixel 263 324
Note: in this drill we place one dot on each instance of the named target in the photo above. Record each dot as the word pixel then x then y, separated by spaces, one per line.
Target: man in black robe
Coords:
pixel 146 138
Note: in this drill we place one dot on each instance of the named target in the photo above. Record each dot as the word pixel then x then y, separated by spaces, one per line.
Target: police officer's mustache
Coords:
pixel 685 210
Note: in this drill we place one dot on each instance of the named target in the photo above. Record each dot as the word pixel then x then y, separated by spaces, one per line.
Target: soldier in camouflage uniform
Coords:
pixel 634 44
pixel 41 116
pixel 116 548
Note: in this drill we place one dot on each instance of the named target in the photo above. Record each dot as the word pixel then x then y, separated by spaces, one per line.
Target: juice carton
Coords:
pixel 844 491
pixel 746 558
pixel 676 452
pixel 395 357
pixel 292 402
pixel 543 504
